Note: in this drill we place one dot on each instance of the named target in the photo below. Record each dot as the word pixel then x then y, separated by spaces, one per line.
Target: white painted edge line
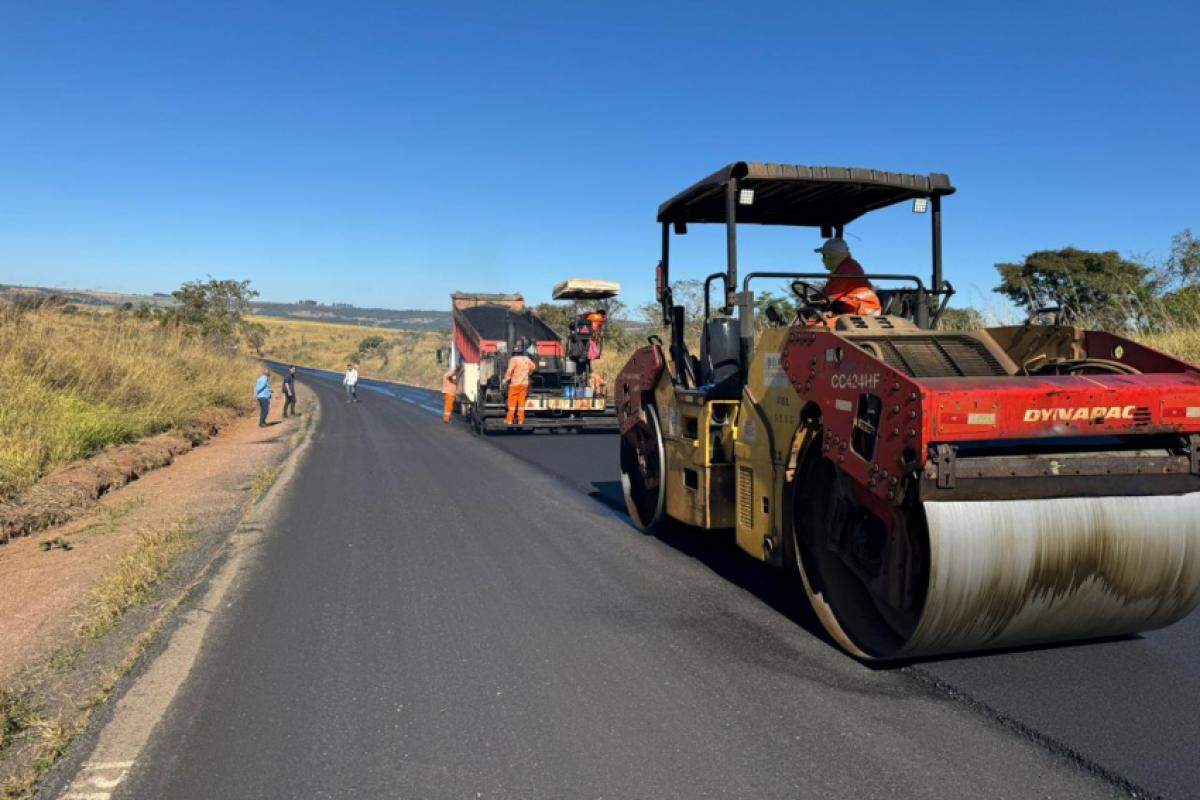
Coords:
pixel 138 711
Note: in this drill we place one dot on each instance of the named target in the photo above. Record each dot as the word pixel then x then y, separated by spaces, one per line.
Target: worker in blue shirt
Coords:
pixel 262 392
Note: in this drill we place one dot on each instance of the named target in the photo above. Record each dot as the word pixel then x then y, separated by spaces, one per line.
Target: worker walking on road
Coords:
pixel 262 393
pixel 520 367
pixel 288 390
pixel 848 291
pixel 351 383
pixel 449 390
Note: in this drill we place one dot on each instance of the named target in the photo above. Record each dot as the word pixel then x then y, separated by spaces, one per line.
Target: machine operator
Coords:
pixel 848 291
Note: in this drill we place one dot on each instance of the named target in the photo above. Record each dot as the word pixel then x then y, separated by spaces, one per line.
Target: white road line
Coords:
pixel 84 784
pixel 145 702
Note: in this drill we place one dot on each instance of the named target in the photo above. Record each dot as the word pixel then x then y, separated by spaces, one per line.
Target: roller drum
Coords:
pixel 1008 573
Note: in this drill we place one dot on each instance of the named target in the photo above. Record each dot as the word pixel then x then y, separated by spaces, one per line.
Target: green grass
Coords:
pixel 17 714
pixel 72 384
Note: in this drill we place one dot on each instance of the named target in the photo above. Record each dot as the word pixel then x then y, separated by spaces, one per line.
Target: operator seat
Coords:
pixel 721 358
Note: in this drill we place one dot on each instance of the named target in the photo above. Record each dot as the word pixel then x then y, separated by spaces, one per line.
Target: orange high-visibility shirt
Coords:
pixel 519 369
pixel 850 292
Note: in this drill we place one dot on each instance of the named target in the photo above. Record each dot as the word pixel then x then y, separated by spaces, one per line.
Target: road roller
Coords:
pixel 932 491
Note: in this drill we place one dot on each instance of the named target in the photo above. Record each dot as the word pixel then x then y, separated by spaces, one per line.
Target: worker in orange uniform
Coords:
pixel 520 367
pixel 449 390
pixel 596 320
pixel 848 291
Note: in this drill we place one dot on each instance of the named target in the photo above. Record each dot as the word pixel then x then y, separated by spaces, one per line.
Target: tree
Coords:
pixel 1183 265
pixel 215 309
pixel 786 304
pixel 1101 289
pixel 1180 278
pixel 255 335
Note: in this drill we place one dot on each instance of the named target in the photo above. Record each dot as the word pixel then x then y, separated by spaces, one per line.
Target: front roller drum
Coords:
pixel 984 575
pixel 644 472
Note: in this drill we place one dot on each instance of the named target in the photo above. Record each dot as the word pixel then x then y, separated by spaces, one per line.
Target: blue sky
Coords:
pixel 387 154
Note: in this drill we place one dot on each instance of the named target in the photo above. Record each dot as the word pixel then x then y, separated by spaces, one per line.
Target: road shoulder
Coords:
pixel 86 617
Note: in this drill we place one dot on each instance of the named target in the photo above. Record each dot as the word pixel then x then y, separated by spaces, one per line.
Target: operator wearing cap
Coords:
pixel 848 291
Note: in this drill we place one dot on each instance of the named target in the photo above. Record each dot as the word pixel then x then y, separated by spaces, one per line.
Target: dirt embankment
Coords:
pixel 75 488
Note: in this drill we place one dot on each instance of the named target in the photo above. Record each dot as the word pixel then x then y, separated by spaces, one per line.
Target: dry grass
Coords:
pixel 132 582
pixel 262 482
pixel 405 356
pixel 1182 343
pixel 72 384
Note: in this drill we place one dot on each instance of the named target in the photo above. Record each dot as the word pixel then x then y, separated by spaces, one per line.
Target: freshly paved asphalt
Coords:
pixel 1130 706
pixel 435 616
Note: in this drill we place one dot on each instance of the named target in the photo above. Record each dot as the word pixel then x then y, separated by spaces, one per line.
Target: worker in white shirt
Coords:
pixel 351 383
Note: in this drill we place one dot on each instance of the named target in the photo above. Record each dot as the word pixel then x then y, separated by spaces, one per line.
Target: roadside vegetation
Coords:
pixel 134 580
pixel 405 356
pixel 73 382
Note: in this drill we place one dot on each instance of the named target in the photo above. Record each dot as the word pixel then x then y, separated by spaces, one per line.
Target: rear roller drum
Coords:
pixel 643 472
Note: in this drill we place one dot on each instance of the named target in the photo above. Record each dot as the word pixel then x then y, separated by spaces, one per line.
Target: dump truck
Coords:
pixel 487 328
pixel 932 491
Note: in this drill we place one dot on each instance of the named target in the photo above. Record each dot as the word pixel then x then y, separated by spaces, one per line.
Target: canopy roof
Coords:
pixel 586 289
pixel 786 194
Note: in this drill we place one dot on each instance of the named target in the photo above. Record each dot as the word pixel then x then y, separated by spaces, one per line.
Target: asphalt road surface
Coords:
pixel 440 615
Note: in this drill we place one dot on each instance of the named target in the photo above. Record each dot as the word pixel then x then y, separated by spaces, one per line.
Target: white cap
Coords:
pixel 834 246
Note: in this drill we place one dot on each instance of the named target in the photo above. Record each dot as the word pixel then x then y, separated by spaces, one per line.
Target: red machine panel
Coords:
pixel 879 423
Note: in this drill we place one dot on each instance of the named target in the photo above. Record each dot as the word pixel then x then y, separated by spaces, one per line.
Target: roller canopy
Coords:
pixel 786 194
pixel 586 289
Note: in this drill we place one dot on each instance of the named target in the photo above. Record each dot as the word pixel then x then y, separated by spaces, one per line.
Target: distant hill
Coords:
pixel 410 319
pixel 82 297
pixel 406 319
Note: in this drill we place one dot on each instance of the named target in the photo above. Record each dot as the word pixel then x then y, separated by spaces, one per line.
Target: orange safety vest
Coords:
pixel 519 369
pixel 850 292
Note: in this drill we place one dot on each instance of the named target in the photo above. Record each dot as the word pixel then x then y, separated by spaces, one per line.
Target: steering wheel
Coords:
pixel 810 295
pixel 814 303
